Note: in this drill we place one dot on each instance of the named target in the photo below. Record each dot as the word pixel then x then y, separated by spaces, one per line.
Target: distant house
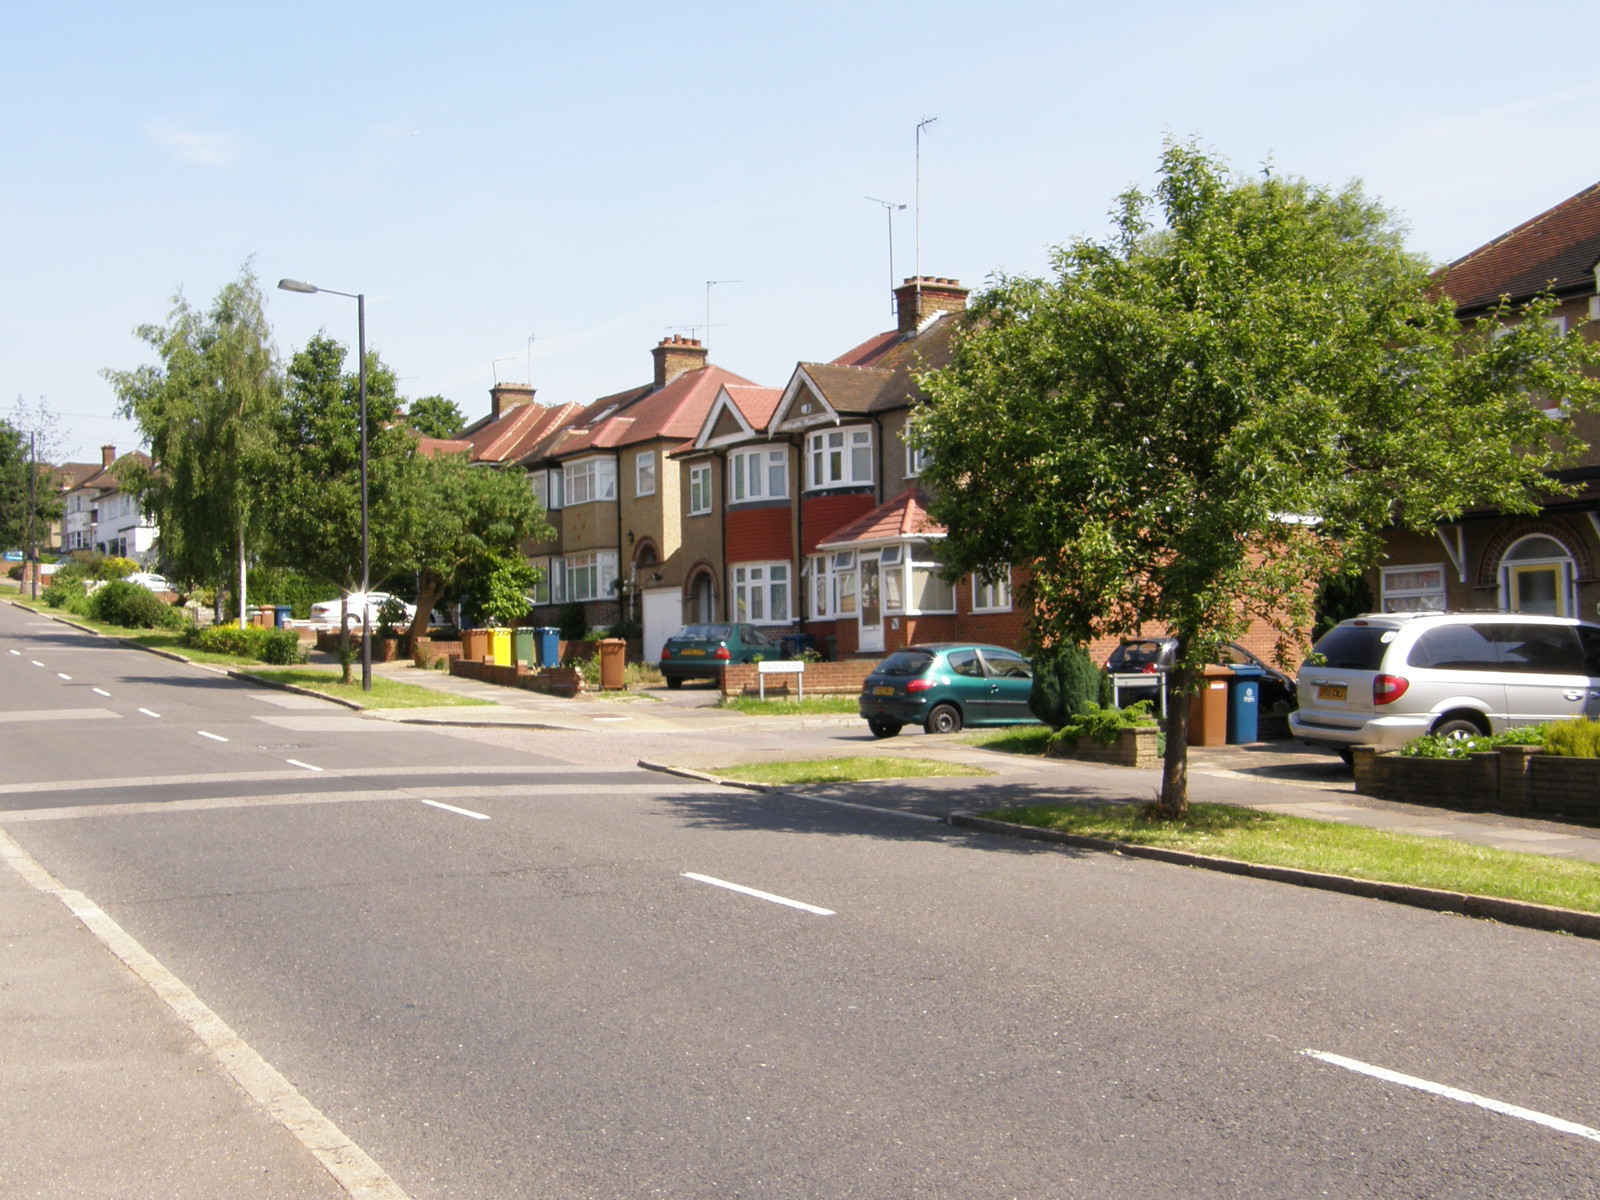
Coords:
pixel 1546 563
pixel 100 516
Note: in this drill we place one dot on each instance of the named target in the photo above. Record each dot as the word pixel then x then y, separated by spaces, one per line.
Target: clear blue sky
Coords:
pixel 489 171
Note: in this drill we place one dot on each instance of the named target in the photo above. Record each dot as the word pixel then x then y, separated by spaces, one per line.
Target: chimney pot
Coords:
pixel 108 455
pixel 922 297
pixel 677 355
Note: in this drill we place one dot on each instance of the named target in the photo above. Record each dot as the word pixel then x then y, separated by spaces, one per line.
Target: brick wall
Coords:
pixel 1515 780
pixel 561 681
pixel 821 679
pixel 759 535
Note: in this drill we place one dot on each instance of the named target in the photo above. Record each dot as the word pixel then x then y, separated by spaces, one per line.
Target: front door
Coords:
pixel 870 611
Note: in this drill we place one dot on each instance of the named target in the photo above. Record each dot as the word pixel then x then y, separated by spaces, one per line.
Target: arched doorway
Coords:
pixel 1537 576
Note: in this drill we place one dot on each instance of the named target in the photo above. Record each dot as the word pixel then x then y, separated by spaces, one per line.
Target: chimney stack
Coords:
pixel 503 397
pixel 108 455
pixel 676 356
pixel 935 295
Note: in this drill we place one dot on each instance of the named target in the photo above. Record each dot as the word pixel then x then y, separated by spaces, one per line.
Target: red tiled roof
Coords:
pixel 105 479
pixel 906 516
pixel 1556 251
pixel 433 445
pixel 644 415
pixel 515 433
pixel 756 403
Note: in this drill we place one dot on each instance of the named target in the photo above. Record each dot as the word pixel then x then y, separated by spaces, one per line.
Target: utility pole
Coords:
pixel 33 509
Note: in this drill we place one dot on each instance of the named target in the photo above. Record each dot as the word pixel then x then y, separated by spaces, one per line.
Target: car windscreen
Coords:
pixel 904 662
pixel 1134 656
pixel 709 633
pixel 1355 647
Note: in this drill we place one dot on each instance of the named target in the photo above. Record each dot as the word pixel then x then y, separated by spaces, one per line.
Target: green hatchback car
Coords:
pixel 701 651
pixel 943 686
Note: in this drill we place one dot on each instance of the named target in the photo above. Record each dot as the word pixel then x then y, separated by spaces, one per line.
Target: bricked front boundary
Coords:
pixel 561 681
pixel 821 679
pixel 1518 781
pixel 1133 748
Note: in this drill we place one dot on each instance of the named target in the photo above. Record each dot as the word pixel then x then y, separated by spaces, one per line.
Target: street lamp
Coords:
pixel 295 285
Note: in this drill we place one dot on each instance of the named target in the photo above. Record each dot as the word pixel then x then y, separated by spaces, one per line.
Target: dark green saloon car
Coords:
pixel 943 686
pixel 701 651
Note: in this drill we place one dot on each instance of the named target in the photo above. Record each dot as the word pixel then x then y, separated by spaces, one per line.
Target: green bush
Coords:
pixel 1577 738
pixel 280 647
pixel 572 624
pixel 1065 683
pixel 1104 724
pixel 67 592
pixel 127 604
pixel 272 586
pixel 1431 746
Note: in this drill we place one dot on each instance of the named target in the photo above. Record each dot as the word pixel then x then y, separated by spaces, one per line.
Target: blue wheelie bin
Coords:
pixel 1244 704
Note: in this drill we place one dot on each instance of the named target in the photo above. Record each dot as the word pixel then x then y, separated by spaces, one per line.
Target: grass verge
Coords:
pixel 754 706
pixel 157 639
pixel 386 693
pixel 1256 837
pixel 1012 739
pixel 843 770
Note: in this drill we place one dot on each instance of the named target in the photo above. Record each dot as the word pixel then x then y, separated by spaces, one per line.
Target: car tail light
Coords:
pixel 666 652
pixel 1148 669
pixel 1386 689
pixel 722 653
pixel 919 685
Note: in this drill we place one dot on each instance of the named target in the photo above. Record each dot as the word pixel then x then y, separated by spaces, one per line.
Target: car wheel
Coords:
pixel 1458 729
pixel 674 682
pixel 883 729
pixel 945 718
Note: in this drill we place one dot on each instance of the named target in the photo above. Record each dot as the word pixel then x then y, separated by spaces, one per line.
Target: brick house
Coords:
pixel 1545 563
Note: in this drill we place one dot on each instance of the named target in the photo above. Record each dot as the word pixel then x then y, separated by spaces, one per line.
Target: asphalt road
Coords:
pixel 546 989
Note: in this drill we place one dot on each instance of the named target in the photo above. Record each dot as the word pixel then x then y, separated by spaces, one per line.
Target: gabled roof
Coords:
pixel 740 413
pixel 877 376
pixel 905 518
pixel 515 433
pixel 433 445
pixel 1556 251
pixel 675 411
pixel 104 479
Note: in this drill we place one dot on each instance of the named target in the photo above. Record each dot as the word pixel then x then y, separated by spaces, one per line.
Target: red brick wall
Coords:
pixel 821 679
pixel 821 516
pixel 759 535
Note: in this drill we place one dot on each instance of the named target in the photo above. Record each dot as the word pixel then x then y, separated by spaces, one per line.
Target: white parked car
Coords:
pixel 149 579
pixel 326 612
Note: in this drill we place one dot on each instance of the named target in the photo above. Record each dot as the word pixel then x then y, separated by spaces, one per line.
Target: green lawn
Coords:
pixel 754 706
pixel 160 639
pixel 1336 849
pixel 386 693
pixel 1011 739
pixel 843 770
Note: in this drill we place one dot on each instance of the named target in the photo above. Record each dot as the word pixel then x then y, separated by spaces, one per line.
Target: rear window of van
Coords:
pixel 1355 647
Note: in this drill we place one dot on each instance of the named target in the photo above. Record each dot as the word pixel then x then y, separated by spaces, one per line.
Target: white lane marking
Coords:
pixel 347 1162
pixel 18 653
pixel 59 675
pixel 611 718
pixel 1450 1093
pixel 295 762
pixel 148 713
pixel 36 662
pixel 101 692
pixel 465 812
pixel 215 737
pixel 58 714
pixel 739 887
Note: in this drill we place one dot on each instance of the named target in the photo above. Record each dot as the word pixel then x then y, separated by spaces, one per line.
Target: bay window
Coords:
pixel 758 475
pixel 839 458
pixel 760 593
pixel 590 576
pixel 589 480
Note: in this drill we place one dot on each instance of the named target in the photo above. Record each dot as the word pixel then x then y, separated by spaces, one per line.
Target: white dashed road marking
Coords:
pixel 59 675
pixel 148 713
pixel 465 812
pixel 102 692
pixel 215 737
pixel 739 887
pixel 295 762
pixel 1450 1093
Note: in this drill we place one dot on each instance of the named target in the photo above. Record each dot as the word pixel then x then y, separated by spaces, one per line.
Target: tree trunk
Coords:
pixel 1174 802
pixel 346 652
pixel 430 591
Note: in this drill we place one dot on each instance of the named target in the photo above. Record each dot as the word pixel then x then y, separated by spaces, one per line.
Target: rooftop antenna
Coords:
pixel 711 283
pixel 926 121
pixel 889 209
pixel 494 365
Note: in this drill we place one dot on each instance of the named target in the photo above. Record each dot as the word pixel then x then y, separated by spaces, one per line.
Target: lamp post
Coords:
pixel 295 285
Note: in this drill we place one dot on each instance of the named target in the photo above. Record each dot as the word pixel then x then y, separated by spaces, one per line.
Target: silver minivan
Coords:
pixel 1386 678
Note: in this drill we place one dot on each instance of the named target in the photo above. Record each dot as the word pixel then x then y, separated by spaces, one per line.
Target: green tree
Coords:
pixel 205 411
pixel 457 515
pixel 1192 425
pixel 15 494
pixel 434 416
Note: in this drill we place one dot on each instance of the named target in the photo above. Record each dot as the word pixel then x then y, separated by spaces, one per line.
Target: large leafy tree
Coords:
pixel 457 517
pixel 16 499
pixel 205 409
pixel 1192 423
pixel 434 416
pixel 315 491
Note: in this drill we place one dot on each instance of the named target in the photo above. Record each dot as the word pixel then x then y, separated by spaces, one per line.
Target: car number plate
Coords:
pixel 883 691
pixel 692 653
pixel 1330 691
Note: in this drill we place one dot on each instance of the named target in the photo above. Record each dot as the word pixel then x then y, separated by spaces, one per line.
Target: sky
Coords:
pixel 547 189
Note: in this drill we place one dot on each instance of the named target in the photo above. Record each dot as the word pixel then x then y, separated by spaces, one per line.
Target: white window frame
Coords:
pixel 761 474
pixel 1565 571
pixel 992 597
pixel 1404 596
pixel 591 576
pixel 644 473
pixel 832 458
pixel 590 480
pixel 916 461
pixel 700 490
pixel 752 589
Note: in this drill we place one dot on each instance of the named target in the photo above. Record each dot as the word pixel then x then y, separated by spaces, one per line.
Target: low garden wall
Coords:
pixel 558 681
pixel 821 679
pixel 1133 748
pixel 1518 781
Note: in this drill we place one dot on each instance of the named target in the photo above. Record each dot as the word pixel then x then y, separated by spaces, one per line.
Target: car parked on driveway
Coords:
pixel 1154 657
pixel 1386 678
pixel 149 579
pixel 944 686
pixel 701 651
pixel 326 612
